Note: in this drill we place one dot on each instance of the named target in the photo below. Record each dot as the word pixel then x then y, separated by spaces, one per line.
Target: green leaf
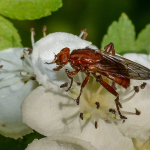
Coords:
pixel 19 144
pixel 9 36
pixel 122 34
pixel 143 40
pixel 28 9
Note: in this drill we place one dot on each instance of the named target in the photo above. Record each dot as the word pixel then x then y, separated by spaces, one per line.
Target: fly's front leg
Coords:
pixel 111 90
pixel 69 74
pixel 82 86
pixel 110 47
pixel 57 68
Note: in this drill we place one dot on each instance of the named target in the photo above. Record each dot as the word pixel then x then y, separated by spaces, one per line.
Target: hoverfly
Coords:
pixel 96 62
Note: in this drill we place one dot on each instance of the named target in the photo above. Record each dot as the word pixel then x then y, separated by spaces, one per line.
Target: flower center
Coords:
pixel 97 103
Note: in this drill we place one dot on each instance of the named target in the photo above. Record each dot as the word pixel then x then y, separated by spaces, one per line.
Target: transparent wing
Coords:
pixel 119 66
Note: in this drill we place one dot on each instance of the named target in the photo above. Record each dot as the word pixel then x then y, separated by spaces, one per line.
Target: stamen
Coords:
pixel 25 68
pixel 127 92
pixel 106 118
pixel 44 30
pixel 32 78
pixel 16 72
pixel 18 66
pixel 1 66
pixel 22 57
pixel 96 124
pixel 27 57
pixel 78 83
pixel 142 86
pixel 27 76
pixel 8 82
pixel 123 117
pixel 123 121
pixel 137 112
pixel 61 105
pixel 136 88
pixel 95 107
pixel 32 36
pixel 64 85
pixel 113 111
pixel 81 116
pixel 88 95
pixel 115 120
pixel 98 91
pixel 71 95
pixel 127 99
pixel 98 105
pixel 83 34
pixel 29 51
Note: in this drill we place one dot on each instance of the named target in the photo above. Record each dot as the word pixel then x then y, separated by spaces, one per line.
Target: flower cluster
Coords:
pixel 95 122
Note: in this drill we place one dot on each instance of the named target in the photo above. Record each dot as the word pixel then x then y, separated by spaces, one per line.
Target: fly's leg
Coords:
pixel 111 90
pixel 69 74
pixel 82 86
pixel 110 47
pixel 113 85
pixel 57 68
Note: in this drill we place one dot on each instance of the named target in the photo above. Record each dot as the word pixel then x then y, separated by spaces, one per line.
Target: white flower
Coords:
pixel 53 113
pixel 15 85
pixel 60 143
pixel 50 110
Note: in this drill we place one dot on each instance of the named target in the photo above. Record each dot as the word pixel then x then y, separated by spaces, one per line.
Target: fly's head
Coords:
pixel 62 57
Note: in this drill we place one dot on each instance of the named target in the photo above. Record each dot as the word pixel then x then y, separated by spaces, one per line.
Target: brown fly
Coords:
pixel 96 62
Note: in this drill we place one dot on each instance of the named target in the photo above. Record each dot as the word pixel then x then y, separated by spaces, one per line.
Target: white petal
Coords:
pixel 46 111
pixel 138 127
pixel 10 113
pixel 44 51
pixel 60 143
pixel 10 82
pixel 13 55
pixel 106 136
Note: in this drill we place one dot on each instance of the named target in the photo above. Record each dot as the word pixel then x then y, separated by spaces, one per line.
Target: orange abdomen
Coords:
pixel 124 82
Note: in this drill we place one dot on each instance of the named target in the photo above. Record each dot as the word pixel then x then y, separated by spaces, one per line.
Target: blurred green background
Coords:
pixel 94 15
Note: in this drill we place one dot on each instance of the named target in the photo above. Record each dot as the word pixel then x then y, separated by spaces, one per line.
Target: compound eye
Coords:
pixel 63 59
